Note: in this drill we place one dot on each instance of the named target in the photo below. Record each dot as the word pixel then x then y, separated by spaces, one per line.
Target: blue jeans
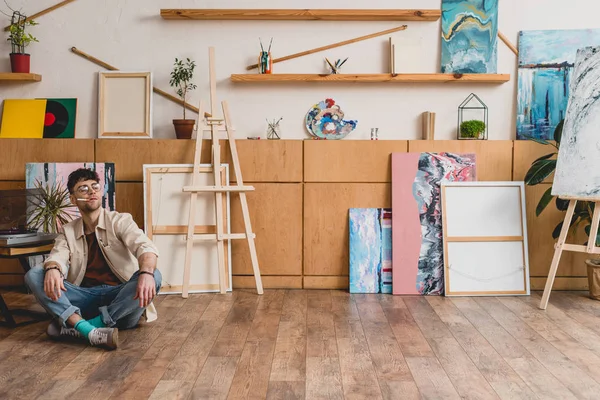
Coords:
pixel 115 304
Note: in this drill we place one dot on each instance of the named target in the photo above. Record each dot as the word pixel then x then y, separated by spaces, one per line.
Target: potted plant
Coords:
pixel 472 129
pixel 51 209
pixel 181 77
pixel 542 168
pixel 19 40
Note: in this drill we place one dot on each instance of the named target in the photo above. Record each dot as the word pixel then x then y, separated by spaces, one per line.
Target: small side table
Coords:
pixel 22 254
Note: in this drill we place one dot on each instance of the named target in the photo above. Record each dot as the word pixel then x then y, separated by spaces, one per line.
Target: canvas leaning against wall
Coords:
pixel 546 60
pixel 469 36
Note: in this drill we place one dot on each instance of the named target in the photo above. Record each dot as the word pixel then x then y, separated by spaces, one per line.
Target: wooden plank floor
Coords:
pixel 300 344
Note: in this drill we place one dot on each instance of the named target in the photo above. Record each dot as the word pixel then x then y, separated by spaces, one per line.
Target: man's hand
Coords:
pixel 146 289
pixel 53 284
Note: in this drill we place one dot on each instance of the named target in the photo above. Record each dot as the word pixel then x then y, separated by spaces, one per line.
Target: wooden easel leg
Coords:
pixel 243 201
pixel 594 228
pixel 557 253
pixel 193 201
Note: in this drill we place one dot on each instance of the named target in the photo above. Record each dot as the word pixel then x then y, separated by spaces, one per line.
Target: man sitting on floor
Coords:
pixel 104 264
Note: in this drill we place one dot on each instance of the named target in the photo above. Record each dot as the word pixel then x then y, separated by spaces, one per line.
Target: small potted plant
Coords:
pixel 472 129
pixel 19 40
pixel 181 77
pixel 52 209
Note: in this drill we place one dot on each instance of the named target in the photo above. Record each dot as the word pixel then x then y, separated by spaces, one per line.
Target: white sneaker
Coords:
pixel 104 337
pixel 57 331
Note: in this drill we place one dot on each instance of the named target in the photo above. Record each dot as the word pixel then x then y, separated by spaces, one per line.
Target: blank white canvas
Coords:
pixel 170 206
pixel 480 266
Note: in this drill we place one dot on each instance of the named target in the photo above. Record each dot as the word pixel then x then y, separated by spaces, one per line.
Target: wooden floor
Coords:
pixel 295 344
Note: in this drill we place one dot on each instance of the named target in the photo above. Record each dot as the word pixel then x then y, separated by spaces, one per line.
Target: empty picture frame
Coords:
pixel 166 215
pixel 485 239
pixel 124 105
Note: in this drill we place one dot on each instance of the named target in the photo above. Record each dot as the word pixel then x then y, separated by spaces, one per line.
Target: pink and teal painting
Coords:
pixel 325 120
pixel 370 250
pixel 58 173
pixel 546 61
pixel 469 36
pixel 418 251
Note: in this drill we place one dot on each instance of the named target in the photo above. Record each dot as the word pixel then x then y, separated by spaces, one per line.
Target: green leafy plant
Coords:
pixel 542 168
pixel 51 208
pixel 472 128
pixel 181 77
pixel 18 38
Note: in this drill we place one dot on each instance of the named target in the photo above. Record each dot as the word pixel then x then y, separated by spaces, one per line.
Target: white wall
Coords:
pixel 131 35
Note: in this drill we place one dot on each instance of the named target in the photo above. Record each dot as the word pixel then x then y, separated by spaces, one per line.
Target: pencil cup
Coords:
pixel 265 62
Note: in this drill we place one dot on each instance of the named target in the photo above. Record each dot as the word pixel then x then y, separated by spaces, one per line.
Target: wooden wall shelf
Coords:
pixel 302 14
pixel 13 76
pixel 372 78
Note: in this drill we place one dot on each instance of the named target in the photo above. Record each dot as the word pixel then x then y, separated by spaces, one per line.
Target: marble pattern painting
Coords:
pixel 546 60
pixel 370 245
pixel 469 36
pixel 578 166
pixel 417 251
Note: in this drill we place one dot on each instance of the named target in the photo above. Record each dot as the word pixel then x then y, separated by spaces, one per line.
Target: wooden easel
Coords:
pixel 561 245
pixel 207 122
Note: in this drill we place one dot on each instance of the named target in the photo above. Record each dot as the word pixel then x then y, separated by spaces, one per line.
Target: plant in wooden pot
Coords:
pixel 181 77
pixel 584 210
pixel 19 40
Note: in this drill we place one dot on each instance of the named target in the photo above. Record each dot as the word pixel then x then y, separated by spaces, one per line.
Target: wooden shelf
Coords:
pixel 12 76
pixel 302 14
pixel 404 78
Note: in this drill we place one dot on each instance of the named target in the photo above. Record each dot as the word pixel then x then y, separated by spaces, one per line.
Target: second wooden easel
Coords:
pixel 208 122
pixel 561 246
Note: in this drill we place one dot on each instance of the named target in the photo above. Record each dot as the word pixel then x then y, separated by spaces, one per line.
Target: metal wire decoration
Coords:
pixel 273 129
pixel 472 119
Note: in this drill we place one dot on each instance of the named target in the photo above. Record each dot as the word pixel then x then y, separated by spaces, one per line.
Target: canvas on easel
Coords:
pixel 577 176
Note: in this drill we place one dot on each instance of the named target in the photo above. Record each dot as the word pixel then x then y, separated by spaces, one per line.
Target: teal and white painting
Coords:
pixel 469 36
pixel 370 250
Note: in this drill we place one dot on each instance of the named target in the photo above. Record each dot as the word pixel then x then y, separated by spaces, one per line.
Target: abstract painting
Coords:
pixel 23 119
pixel 546 60
pixel 578 165
pixel 59 119
pixel 417 251
pixel 58 173
pixel 325 120
pixel 469 36
pixel 370 250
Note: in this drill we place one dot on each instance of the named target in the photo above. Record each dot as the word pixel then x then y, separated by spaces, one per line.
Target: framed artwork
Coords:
pixel 417 244
pixel 469 36
pixel 485 239
pixel 545 72
pixel 166 214
pixel 124 105
pixel 577 173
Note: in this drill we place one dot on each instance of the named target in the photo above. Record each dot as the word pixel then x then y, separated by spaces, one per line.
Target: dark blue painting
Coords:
pixel 469 36
pixel 546 60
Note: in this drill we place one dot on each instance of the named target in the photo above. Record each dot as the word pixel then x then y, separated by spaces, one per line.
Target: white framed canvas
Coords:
pixel 485 239
pixel 125 105
pixel 166 214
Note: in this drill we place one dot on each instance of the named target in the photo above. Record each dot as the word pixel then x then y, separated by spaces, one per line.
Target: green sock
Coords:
pixel 97 322
pixel 84 327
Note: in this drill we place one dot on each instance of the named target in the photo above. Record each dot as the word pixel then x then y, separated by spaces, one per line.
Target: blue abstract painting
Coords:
pixel 578 166
pixel 546 60
pixel 469 36
pixel 370 250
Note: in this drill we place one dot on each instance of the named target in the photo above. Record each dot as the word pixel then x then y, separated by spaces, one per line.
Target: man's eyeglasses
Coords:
pixel 85 189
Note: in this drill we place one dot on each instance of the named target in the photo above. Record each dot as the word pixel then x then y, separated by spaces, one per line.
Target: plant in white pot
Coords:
pixel 584 210
pixel 20 61
pixel 181 78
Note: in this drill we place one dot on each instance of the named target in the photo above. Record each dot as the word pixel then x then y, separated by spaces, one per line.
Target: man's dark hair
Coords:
pixel 81 174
